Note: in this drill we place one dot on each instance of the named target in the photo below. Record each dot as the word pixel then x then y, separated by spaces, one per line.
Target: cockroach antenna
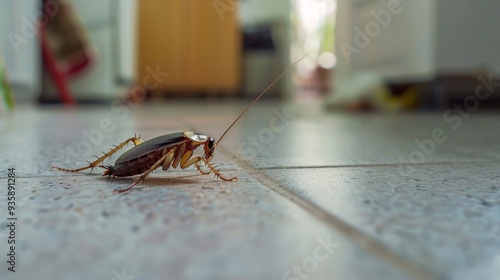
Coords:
pixel 260 95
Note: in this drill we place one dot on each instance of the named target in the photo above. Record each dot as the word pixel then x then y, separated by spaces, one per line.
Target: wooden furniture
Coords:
pixel 199 47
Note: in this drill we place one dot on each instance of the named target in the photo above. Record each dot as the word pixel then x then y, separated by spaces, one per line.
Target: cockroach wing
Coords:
pixel 152 145
pixel 197 137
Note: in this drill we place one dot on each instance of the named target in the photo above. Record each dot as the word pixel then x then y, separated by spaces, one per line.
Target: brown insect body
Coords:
pixel 136 166
pixel 179 147
pixel 169 150
pixel 139 159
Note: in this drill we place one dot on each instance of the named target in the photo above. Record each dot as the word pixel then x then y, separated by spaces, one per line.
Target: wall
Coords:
pixel 399 47
pixel 257 11
pixel 19 47
pixel 468 36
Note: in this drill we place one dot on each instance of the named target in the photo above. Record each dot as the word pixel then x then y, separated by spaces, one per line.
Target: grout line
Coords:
pixel 358 236
pixel 374 165
pixel 241 162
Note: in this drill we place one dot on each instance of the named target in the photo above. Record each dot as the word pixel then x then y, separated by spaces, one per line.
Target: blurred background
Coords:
pixel 412 190
pixel 377 54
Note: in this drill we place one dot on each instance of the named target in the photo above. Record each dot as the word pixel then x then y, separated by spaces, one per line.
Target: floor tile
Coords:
pixel 182 228
pixel 179 224
pixel 443 217
pixel 439 213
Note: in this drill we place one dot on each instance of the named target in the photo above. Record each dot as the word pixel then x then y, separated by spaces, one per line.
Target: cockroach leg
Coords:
pixel 196 161
pixel 179 155
pixel 145 174
pixel 168 161
pixel 216 172
pixel 95 163
pixel 198 167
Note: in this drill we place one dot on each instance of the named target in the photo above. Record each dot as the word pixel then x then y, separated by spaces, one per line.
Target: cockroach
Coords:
pixel 169 150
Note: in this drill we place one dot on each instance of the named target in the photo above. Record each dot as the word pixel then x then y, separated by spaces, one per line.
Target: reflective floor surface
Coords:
pixel 320 195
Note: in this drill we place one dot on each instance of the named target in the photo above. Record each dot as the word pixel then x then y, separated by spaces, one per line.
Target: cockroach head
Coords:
pixel 209 148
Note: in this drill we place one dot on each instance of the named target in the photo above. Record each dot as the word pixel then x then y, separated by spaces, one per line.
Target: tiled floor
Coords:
pixel 320 195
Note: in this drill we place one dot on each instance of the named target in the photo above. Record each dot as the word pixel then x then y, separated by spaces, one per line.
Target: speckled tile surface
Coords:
pixel 183 228
pixel 321 196
pixel 443 217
